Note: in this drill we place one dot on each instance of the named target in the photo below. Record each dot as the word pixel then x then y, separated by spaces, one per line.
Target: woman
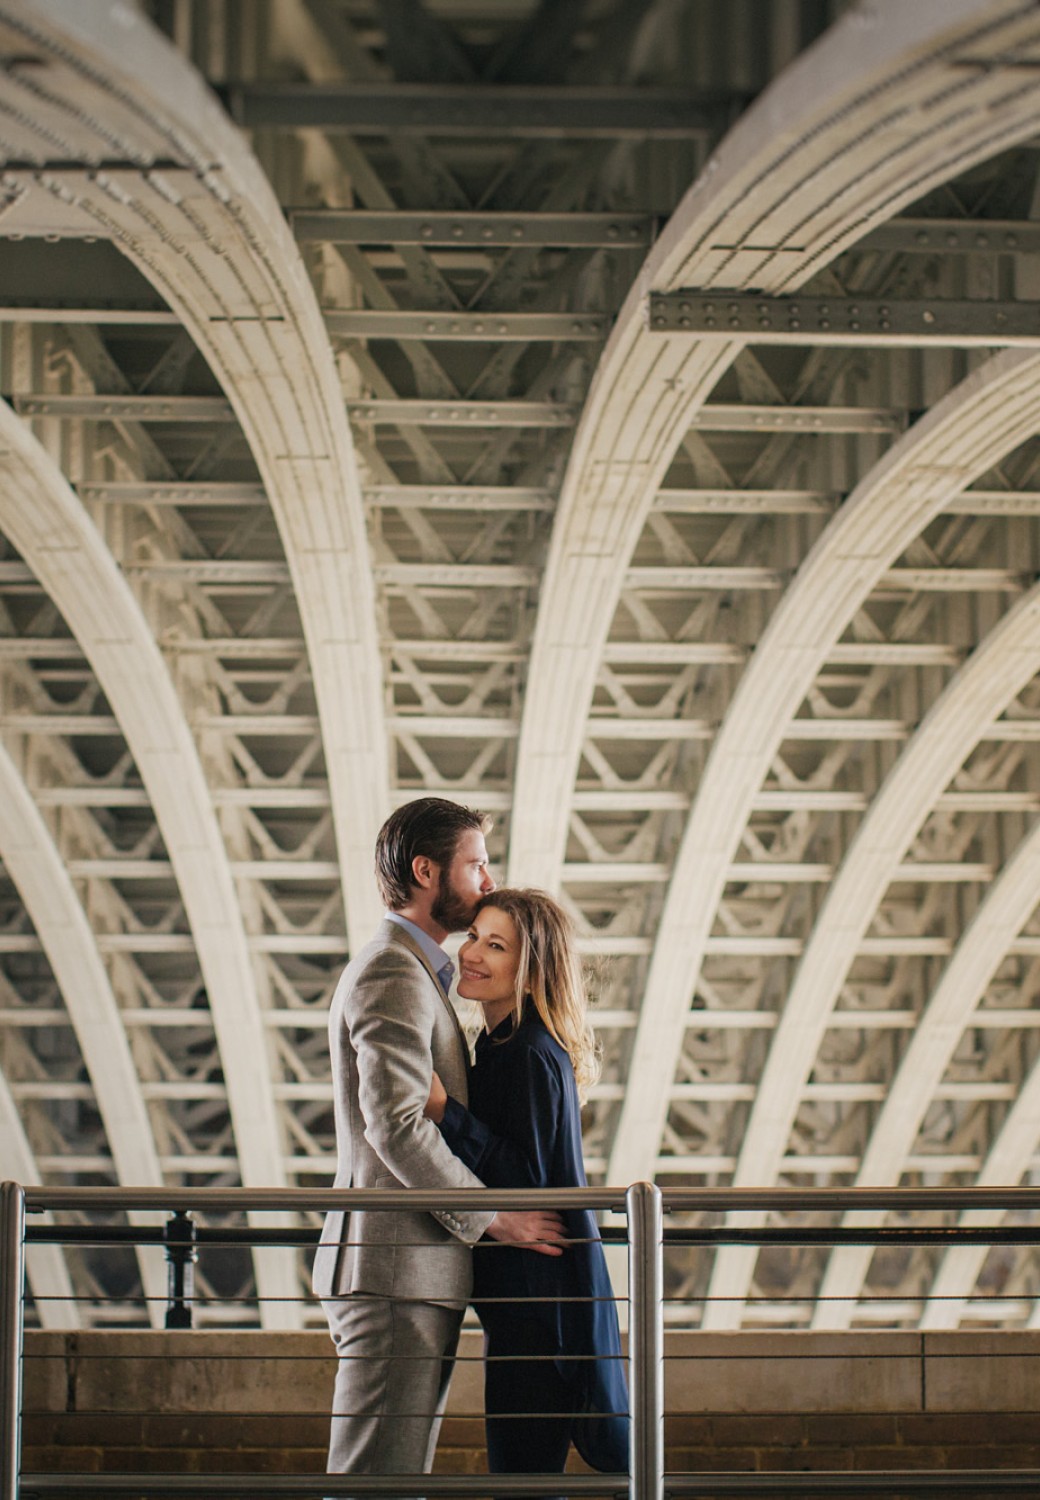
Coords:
pixel 553 1371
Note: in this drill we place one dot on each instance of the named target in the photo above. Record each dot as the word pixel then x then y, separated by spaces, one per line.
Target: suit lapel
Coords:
pixel 395 933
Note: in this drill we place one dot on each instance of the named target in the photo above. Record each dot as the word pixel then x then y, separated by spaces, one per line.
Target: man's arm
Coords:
pixel 390 1020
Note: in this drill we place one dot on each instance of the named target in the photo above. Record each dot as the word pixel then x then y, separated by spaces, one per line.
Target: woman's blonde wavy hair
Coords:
pixel 549 975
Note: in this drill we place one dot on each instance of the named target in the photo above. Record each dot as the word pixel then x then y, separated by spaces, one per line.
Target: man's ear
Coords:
pixel 424 872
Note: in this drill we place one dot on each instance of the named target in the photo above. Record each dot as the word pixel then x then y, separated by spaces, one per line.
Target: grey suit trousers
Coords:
pixel 395 1362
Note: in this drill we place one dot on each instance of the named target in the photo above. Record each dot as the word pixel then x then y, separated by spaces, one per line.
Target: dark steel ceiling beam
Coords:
pixel 873 322
pixel 529 112
pixel 348 226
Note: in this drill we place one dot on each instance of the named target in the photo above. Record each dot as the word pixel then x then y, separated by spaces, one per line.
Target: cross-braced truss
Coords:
pixel 618 415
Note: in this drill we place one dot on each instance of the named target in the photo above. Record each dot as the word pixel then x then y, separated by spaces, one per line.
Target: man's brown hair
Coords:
pixel 431 826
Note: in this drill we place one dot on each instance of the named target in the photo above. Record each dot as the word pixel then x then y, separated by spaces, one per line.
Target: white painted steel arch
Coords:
pixel 206 229
pixel 45 521
pixel 1011 899
pixel 984 418
pixel 34 863
pixel 1009 1157
pixel 824 155
pixel 45 1268
pixel 1005 662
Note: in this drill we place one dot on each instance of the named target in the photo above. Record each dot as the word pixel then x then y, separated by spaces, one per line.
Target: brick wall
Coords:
pixel 251 1402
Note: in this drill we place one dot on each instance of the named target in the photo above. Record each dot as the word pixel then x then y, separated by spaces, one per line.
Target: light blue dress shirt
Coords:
pixel 442 965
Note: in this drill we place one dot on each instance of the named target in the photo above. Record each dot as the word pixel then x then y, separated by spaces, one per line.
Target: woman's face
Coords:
pixel 488 964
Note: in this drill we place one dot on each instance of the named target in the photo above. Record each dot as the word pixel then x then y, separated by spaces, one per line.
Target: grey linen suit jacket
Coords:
pixel 390 1025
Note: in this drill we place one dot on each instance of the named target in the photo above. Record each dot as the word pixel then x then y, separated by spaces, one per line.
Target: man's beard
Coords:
pixel 452 911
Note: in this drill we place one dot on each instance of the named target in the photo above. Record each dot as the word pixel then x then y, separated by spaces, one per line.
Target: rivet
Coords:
pixel 928 316
pixel 687 323
pixel 427 231
pixel 457 231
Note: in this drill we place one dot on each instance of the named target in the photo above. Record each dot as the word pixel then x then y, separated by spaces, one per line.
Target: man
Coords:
pixel 394 1286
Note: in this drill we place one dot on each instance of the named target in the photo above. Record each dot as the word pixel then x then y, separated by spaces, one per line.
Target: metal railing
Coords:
pixel 643 1206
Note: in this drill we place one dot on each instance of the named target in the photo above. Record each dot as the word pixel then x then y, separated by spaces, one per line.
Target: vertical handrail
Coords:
pixel 12 1329
pixel 646 1340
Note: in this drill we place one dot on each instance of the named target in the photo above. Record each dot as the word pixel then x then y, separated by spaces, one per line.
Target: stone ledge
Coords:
pixel 259 1402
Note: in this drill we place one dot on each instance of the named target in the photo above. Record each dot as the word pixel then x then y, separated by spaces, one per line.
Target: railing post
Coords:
pixel 179 1237
pixel 12 1325
pixel 646 1340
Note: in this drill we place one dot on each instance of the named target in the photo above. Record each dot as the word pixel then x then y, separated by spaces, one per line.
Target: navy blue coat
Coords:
pixel 523 1129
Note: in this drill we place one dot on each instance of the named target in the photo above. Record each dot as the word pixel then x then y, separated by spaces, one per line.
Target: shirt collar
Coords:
pixel 431 951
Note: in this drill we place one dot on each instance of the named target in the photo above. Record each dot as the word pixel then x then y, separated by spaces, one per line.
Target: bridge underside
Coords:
pixel 620 415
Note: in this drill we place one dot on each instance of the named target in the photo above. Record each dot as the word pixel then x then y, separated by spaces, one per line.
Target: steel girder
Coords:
pixel 451 234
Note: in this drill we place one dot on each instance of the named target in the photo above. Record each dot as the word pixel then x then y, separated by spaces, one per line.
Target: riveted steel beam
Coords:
pixel 458 575
pixel 86 312
pixel 873 322
pixel 499 109
pixel 486 328
pixel 468 230
pixel 706 502
pixel 956 236
pixel 405 413
pixel 703 502
pixel 166 492
pixel 126 408
pixel 460 497
pixel 719 416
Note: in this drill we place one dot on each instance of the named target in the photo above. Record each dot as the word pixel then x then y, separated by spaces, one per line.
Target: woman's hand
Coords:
pixel 435 1104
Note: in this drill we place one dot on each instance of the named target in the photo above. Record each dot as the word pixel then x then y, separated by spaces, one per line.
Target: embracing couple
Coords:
pixel 412 1112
